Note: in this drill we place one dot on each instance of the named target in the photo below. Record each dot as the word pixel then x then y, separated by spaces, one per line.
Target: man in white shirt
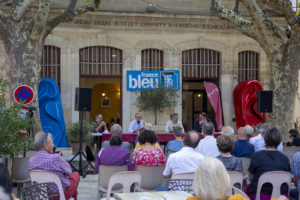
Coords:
pixel 136 124
pixel 172 123
pixel 258 141
pixel 208 145
pixel 187 159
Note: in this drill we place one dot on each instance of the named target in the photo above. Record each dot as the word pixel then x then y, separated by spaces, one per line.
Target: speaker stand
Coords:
pixel 80 153
pixel 263 118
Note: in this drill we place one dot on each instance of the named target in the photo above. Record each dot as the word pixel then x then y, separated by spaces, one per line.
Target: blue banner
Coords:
pixel 150 80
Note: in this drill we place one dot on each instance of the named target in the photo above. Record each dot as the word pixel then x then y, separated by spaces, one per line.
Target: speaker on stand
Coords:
pixel 83 98
pixel 264 102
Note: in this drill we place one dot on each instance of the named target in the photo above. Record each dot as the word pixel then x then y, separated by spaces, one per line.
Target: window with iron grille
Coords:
pixel 50 65
pixel 200 64
pixel 152 59
pixel 248 65
pixel 99 61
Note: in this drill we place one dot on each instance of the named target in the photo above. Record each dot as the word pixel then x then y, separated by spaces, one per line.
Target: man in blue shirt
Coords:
pixel 242 147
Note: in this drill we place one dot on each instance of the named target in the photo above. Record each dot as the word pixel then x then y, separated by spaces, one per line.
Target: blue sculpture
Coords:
pixel 51 113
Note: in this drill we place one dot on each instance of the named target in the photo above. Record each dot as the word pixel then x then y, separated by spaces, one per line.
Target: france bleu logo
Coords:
pixel 150 80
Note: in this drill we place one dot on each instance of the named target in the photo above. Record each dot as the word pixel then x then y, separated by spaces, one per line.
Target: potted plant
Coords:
pixel 73 134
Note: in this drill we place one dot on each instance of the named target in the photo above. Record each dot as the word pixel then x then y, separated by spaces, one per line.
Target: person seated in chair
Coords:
pixel 114 155
pixel 116 130
pixel 177 144
pixel 46 160
pixel 269 159
pixel 293 133
pixel 148 154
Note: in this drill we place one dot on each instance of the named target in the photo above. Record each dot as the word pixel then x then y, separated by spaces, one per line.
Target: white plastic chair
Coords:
pixel 151 177
pixel 124 178
pixel 240 192
pixel 190 175
pixel 105 172
pixel 235 177
pixel 41 176
pixel 276 178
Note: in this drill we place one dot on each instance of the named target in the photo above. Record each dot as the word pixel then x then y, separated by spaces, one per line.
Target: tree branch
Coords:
pixel 71 12
pixel 18 8
pixel 243 25
pixel 283 7
pixel 273 34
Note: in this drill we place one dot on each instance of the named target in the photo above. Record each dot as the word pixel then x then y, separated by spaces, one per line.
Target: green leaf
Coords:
pixel 297 13
pixel 88 1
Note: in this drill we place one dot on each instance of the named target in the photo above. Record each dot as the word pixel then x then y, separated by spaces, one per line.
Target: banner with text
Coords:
pixel 150 80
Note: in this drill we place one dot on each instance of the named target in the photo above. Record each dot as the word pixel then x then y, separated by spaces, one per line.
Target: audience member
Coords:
pixel 172 123
pixel 267 160
pixel 148 154
pixel 148 126
pixel 136 124
pixel 208 145
pixel 242 147
pixel 99 127
pixel 212 181
pixel 201 121
pixel 225 146
pixel 5 184
pixel 259 142
pixel 114 155
pixel 138 145
pixel 46 160
pixel 295 165
pixel 228 130
pixel 187 159
pixel 177 144
pixel 294 134
pixel 249 130
pixel 116 130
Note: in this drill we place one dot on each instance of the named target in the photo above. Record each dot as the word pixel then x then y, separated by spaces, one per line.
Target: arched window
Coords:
pixel 100 61
pixel 152 59
pixel 200 64
pixel 248 65
pixel 50 65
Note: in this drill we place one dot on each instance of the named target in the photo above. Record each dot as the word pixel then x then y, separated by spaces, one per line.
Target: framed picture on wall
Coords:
pixel 105 102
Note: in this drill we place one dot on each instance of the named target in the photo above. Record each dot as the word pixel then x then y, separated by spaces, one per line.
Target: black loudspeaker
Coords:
pixel 83 98
pixel 264 101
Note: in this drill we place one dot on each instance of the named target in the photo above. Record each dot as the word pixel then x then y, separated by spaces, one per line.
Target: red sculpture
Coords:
pixel 244 100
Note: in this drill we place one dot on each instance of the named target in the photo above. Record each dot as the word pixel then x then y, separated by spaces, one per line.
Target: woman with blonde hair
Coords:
pixel 212 181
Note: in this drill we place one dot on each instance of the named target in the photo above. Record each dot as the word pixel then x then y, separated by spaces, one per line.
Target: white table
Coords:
pixel 167 195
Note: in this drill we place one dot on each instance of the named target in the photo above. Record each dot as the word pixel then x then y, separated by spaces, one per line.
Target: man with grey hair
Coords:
pixel 174 121
pixel 258 141
pixel 208 145
pixel 46 160
pixel 228 130
pixel 116 130
pixel 249 130
pixel 177 144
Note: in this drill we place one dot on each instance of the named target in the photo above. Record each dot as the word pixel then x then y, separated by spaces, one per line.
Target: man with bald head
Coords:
pixel 187 159
pixel 242 147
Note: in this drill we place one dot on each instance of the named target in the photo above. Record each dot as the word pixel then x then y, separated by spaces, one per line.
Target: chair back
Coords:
pixel 246 163
pixel 240 192
pixel 276 178
pixel 105 172
pixel 151 176
pixel 41 176
pixel 235 177
pixel 124 178
pixel 190 175
pixel 37 191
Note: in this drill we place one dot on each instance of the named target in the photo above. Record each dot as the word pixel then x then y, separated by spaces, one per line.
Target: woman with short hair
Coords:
pixel 212 181
pixel 267 160
pixel 148 154
pixel 225 146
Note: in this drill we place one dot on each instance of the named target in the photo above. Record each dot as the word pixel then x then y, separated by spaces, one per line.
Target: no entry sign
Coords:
pixel 24 94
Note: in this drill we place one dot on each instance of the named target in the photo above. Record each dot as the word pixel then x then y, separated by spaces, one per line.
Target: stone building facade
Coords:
pixel 173 30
